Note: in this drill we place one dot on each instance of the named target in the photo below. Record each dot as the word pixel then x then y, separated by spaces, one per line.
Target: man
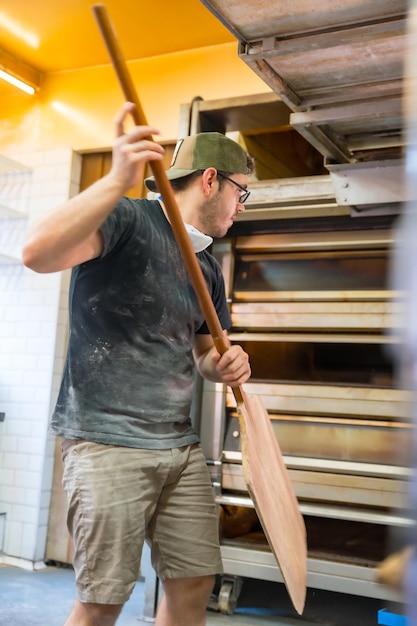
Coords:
pixel 133 468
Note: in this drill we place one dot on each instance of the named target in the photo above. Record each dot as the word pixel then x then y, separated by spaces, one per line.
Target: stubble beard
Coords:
pixel 208 215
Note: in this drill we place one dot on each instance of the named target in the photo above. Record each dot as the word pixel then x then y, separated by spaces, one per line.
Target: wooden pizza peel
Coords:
pixel 266 475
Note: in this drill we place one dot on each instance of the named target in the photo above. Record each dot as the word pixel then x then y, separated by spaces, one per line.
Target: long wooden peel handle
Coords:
pixel 163 185
pixel 165 189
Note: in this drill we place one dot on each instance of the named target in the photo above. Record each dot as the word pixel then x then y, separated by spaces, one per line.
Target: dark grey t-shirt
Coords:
pixel 133 316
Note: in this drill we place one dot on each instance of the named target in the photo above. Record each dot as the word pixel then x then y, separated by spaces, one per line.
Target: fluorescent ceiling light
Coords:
pixel 18 73
pixel 16 82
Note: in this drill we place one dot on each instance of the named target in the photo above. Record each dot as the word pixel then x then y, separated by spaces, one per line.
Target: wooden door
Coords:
pixel 95 165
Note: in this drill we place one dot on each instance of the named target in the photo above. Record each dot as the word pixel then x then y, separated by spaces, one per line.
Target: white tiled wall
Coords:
pixel 33 326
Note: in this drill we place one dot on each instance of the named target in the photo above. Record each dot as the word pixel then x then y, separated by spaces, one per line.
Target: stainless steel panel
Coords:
pixel 343 316
pixel 333 511
pixel 332 400
pixel 347 439
pixel 321 241
pixel 324 487
pixel 321 574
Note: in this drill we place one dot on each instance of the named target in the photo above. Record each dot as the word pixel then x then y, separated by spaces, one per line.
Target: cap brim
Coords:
pixel 171 174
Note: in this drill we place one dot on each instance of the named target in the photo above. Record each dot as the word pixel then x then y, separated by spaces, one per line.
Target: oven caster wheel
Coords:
pixel 229 594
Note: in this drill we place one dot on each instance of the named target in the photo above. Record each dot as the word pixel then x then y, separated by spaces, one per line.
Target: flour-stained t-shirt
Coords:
pixel 128 375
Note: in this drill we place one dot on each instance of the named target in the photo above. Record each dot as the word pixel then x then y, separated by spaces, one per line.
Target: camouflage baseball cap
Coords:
pixel 198 152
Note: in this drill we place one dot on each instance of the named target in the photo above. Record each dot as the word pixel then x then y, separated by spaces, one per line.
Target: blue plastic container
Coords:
pixel 391 619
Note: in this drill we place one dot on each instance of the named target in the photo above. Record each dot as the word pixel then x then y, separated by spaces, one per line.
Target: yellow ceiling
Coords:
pixel 59 35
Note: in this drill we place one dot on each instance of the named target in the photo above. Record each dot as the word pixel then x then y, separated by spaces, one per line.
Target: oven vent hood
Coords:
pixel 361 191
pixel 376 188
pixel 339 67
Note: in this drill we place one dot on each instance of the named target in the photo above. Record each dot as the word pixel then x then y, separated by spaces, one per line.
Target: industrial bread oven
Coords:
pixel 308 273
pixel 316 313
pixel 307 268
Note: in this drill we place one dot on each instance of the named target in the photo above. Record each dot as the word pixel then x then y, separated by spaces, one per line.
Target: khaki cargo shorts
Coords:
pixel 119 497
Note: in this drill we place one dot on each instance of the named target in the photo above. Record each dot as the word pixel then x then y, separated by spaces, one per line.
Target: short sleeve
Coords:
pixel 120 225
pixel 215 283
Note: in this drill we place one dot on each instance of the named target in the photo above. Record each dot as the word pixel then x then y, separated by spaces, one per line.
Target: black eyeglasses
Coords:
pixel 243 196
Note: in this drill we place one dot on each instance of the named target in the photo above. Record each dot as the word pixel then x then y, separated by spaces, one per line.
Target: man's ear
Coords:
pixel 208 179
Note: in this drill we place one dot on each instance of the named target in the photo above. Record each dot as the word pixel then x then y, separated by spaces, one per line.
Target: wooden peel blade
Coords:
pixel 268 485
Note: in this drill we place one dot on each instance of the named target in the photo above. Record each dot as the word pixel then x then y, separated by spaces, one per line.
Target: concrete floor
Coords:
pixel 45 597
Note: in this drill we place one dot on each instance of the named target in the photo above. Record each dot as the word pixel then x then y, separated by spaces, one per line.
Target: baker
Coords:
pixel 133 466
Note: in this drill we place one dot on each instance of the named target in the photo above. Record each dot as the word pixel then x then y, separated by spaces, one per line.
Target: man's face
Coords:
pixel 219 211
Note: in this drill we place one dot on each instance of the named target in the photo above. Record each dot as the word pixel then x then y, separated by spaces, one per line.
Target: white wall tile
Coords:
pixel 13 536
pixel 7 477
pixel 14 425
pixel 31 496
pixel 31 445
pixel 15 461
pixel 35 463
pixel 25 514
pixel 33 332
pixel 44 516
pixel 29 535
pixel 40 542
pixel 38 430
pixel 22 394
pixel 13 495
pixel 10 444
